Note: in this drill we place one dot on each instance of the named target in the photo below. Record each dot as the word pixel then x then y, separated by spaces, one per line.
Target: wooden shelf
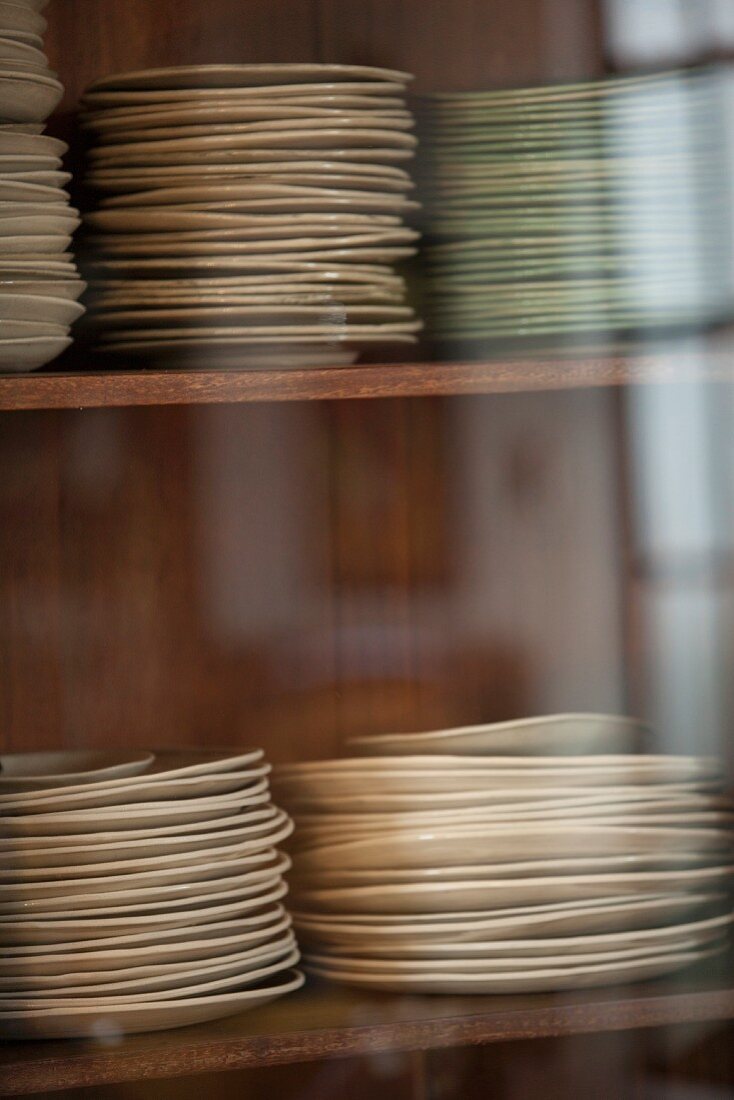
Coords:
pixel 324 1022
pixel 48 390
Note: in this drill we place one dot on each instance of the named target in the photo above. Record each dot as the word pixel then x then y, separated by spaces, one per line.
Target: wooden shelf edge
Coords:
pixel 127 388
pixel 191 1052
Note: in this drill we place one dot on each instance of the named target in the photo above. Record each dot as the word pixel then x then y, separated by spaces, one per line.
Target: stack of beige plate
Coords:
pixel 576 209
pixel 473 860
pixel 251 213
pixel 39 285
pixel 137 893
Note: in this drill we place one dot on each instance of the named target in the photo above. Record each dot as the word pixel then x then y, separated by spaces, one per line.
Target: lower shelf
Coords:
pixel 324 1022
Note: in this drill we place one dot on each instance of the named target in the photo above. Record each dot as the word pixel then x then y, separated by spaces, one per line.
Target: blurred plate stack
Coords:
pixel 251 214
pixel 137 893
pixel 473 860
pixel 39 284
pixel 588 208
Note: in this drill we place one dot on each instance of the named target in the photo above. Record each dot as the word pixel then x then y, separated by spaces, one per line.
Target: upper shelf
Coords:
pixel 327 1022
pixel 595 367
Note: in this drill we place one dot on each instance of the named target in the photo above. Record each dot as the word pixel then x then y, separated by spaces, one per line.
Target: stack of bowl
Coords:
pixel 465 861
pixel 565 210
pixel 39 285
pixel 250 213
pixel 138 893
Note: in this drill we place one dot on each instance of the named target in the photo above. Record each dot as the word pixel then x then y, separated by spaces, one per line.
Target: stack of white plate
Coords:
pixel 251 213
pixel 137 893
pixel 39 285
pixel 472 860
pixel 573 209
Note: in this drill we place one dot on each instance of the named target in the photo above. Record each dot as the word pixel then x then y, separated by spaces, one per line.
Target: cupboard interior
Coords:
pixel 289 574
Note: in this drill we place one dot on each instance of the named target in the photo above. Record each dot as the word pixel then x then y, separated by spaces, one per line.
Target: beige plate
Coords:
pixel 32 770
pixel 153 898
pixel 296 93
pixel 566 734
pixel 18 356
pixel 100 964
pixel 44 225
pixel 145 125
pixel 273 262
pixel 145 815
pixel 75 951
pixel 28 99
pixel 19 307
pixel 21 17
pixel 249 76
pixel 481 844
pixel 266 334
pixel 12 50
pixel 164 220
pixel 51 244
pixel 617 913
pixel 192 312
pixel 666 938
pixel 242 968
pixel 45 883
pixel 34 144
pixel 43 179
pixel 263 240
pixel 91 796
pixel 246 978
pixel 339 275
pixel 166 766
pixel 153 1016
pixel 234 146
pixel 113 826
pixel 306 294
pixel 163 843
pixel 56 289
pixel 336 187
pixel 92 924
pixel 498 965
pixel 199 862
pixel 521 981
pixel 477 894
pixel 125 901
pixel 31 192
pixel 231 354
pixel 296 167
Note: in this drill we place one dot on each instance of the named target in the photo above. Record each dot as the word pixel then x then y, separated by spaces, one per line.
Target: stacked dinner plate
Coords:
pixel 39 285
pixel 575 209
pixel 473 860
pixel 138 894
pixel 251 213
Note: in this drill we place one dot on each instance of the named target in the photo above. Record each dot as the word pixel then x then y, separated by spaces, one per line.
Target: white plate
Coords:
pixel 159 221
pixel 21 17
pixel 153 1016
pixel 522 981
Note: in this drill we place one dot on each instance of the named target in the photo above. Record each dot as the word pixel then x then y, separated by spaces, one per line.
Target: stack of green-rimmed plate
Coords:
pixel 251 214
pixel 578 208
